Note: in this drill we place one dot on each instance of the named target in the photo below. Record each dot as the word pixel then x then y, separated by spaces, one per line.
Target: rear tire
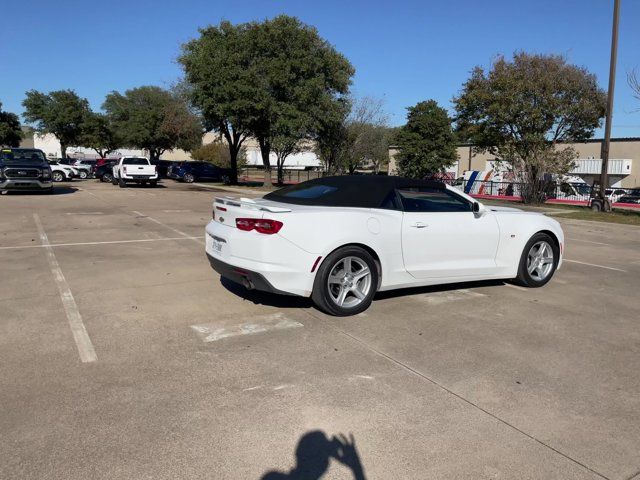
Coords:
pixel 153 183
pixel 83 175
pixel 58 176
pixel 122 183
pixel 538 262
pixel 188 178
pixel 346 282
pixel 107 177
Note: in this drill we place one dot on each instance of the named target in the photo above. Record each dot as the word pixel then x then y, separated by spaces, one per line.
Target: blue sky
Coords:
pixel 403 51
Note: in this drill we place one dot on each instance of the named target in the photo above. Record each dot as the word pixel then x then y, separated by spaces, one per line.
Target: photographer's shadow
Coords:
pixel 313 457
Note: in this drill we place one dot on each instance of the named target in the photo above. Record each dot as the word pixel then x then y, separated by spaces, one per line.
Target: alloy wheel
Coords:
pixel 349 282
pixel 540 260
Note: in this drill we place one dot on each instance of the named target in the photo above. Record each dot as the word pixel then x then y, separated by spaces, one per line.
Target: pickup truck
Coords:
pixel 24 169
pixel 134 170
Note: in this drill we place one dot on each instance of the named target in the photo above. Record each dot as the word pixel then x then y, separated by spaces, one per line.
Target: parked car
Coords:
pixel 189 172
pixel 172 170
pixel 61 173
pixel 134 170
pixel 163 167
pixel 339 240
pixel 104 172
pixel 633 196
pixel 614 194
pixel 24 169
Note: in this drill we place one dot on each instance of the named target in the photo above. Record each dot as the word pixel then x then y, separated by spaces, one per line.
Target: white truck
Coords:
pixel 134 170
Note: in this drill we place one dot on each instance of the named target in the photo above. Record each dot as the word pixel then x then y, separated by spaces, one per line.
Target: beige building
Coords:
pixel 624 161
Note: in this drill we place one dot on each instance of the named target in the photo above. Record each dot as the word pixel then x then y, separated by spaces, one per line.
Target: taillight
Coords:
pixel 125 169
pixel 260 225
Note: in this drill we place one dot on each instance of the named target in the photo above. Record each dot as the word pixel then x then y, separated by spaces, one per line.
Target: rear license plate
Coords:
pixel 216 245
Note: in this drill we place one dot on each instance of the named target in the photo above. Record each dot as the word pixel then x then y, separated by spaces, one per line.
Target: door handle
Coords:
pixel 419 225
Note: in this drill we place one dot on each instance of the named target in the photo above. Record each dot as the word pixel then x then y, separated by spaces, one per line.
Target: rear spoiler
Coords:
pixel 249 203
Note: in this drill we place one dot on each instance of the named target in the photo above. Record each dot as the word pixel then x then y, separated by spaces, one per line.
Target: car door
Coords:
pixel 443 237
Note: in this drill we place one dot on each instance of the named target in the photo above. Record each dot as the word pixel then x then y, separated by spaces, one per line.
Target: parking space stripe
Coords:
pixel 587 241
pixel 106 242
pixel 80 335
pixel 594 265
pixel 190 237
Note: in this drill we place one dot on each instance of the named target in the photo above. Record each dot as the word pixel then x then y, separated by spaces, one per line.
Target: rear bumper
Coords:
pixel 269 262
pixel 25 184
pixel 250 280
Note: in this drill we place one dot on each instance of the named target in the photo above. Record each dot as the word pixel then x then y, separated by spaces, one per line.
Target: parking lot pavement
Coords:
pixel 191 377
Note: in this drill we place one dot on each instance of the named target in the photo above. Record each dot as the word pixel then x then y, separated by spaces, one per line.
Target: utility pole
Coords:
pixel 604 152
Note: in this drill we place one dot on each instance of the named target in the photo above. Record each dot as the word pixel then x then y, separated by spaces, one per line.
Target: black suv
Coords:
pixel 189 172
pixel 24 169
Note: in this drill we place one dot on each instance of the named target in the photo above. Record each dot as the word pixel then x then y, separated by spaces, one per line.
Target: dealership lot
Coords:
pixel 123 355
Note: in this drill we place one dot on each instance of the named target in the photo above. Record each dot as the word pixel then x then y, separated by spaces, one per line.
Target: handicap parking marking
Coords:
pixel 212 332
pixel 440 298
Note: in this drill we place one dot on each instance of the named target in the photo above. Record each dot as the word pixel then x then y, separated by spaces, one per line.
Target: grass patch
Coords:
pixel 627 217
pixel 577 212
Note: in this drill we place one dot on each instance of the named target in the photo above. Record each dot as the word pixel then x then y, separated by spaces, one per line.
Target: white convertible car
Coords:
pixel 340 240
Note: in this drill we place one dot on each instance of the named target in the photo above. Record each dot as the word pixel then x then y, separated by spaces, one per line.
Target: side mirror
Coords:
pixel 476 207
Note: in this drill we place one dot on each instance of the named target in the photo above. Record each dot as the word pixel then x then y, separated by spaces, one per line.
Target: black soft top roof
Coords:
pixel 363 191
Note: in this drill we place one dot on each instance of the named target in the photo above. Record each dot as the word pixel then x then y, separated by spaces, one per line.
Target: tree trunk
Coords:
pixel 63 150
pixel 265 149
pixel 233 154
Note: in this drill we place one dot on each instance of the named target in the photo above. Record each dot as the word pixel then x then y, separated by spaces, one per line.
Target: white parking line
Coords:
pixel 106 242
pixel 587 241
pixel 439 298
pixel 594 265
pixel 85 213
pixel 80 335
pixel 212 332
pixel 190 237
pixel 517 287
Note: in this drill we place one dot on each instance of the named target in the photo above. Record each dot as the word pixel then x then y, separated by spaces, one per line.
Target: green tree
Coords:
pixel 523 110
pixel 218 153
pixel 220 83
pixel 10 131
pixel 97 133
pixel 61 113
pixel 153 119
pixel 426 143
pixel 300 77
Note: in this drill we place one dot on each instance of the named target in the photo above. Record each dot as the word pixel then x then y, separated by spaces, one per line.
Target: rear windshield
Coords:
pixel 135 161
pixel 22 156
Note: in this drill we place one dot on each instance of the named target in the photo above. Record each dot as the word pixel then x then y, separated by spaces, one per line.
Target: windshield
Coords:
pixel 22 156
pixel 135 161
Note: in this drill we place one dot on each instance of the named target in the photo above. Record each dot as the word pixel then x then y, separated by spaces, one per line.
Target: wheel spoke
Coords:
pixel 335 279
pixel 361 273
pixel 532 267
pixel 358 293
pixel 347 265
pixel 341 296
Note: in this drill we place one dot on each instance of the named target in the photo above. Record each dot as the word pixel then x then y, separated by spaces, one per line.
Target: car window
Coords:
pixel 135 161
pixel 425 199
pixel 310 191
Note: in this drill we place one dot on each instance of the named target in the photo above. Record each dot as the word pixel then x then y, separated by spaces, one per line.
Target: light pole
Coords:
pixel 604 152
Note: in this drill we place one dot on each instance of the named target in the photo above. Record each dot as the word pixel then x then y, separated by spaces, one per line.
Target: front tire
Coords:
pixel 107 177
pixel 346 282
pixel 538 262
pixel 83 175
pixel 58 176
